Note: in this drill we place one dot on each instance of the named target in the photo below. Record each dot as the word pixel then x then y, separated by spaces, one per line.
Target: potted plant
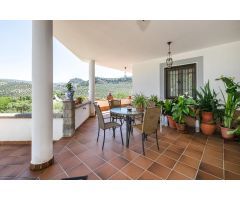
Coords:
pixel 140 102
pixel 208 128
pixel 79 100
pixel 181 110
pixel 70 91
pixel 167 110
pixel 231 104
pixel 207 103
pixel 236 131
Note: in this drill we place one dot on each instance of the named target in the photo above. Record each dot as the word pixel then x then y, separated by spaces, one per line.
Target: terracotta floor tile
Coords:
pixel 11 170
pixel 214 154
pixel 189 161
pixel 129 155
pixel 201 175
pixel 51 172
pixel 132 170
pixel 69 163
pixel 148 176
pixel 185 170
pixel 231 176
pixel 80 170
pixel 142 162
pixel 119 162
pixel 159 170
pixel 176 149
pixel 172 154
pixel 232 167
pixel 193 154
pixel 218 172
pixel 108 155
pixel 76 147
pixel 166 161
pixel 177 176
pixel 207 158
pixel 93 176
pixel 119 176
pixel 187 149
pixel 105 171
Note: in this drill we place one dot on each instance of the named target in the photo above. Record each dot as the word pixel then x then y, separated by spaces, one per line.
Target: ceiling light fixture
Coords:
pixel 169 60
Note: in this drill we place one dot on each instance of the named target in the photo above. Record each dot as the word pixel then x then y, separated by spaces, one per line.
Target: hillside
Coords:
pixel 120 87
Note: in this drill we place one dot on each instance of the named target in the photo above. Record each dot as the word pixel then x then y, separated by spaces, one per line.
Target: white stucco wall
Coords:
pixel 19 129
pixel 218 60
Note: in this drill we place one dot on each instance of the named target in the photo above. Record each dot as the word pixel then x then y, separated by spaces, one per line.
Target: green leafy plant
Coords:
pixel 236 130
pixel 139 100
pixel 232 102
pixel 182 109
pixel 69 87
pixel 155 100
pixel 168 106
pixel 207 99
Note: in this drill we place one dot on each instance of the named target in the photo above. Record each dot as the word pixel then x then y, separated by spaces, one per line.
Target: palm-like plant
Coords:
pixel 207 99
pixel 182 109
pixel 232 102
pixel 139 100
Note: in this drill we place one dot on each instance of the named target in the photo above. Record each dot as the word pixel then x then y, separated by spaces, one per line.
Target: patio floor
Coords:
pixel 181 156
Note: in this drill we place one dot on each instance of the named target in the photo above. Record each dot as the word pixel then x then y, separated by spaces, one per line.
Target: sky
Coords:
pixel 16 56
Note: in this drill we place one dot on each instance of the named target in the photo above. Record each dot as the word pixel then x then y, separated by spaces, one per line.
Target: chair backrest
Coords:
pixel 100 116
pixel 150 120
pixel 115 103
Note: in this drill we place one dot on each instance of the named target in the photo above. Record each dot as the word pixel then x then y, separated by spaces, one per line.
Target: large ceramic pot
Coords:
pixel 181 127
pixel 207 116
pixel 225 134
pixel 69 95
pixel 208 129
pixel 171 122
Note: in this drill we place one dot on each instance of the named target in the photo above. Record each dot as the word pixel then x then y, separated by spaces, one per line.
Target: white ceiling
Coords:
pixel 117 44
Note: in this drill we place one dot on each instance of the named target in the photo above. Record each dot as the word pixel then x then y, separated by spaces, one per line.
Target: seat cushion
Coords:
pixel 111 125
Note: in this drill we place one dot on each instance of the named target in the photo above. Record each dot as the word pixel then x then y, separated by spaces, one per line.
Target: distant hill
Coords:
pixel 17 88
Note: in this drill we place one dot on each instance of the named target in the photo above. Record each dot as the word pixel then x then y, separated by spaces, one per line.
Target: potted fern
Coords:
pixel 182 109
pixel 231 104
pixel 140 102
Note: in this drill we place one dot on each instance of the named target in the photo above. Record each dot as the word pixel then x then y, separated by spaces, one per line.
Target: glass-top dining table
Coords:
pixel 128 115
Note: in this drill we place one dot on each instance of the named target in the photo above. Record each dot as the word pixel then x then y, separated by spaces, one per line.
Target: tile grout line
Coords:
pixel 179 161
pixel 200 161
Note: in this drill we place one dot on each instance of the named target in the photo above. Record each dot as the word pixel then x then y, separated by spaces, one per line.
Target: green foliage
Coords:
pixel 207 99
pixel 4 101
pixel 120 95
pixel 168 106
pixel 182 109
pixel 20 105
pixel 139 100
pixel 232 102
pixel 157 102
pixel 69 87
pixel 57 106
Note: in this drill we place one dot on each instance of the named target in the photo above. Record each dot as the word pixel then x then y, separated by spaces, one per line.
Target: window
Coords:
pixel 180 80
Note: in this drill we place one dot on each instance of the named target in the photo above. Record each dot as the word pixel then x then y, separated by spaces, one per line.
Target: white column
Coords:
pixel 42 90
pixel 92 86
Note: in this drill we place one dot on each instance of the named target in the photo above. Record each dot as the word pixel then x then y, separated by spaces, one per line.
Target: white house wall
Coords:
pixel 217 61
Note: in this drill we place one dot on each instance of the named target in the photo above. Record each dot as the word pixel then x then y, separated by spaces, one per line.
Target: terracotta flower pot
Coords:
pixel 139 109
pixel 207 116
pixel 181 127
pixel 208 129
pixel 171 122
pixel 225 135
